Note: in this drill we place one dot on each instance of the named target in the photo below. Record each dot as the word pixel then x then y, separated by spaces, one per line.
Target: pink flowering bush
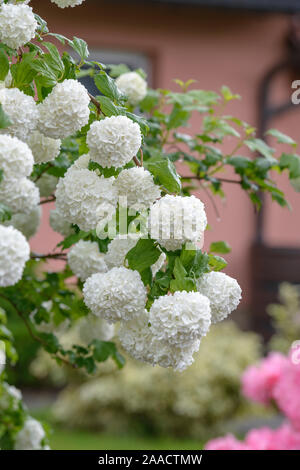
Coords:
pixel 276 378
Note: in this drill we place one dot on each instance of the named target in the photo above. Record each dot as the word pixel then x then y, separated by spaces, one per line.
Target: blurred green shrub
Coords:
pixel 195 403
pixel 285 318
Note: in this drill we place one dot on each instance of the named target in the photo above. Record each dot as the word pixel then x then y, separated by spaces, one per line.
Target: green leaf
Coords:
pixel 108 87
pixel 143 255
pixel 217 263
pixel 117 70
pixel 51 342
pixel 220 247
pixel 4 65
pixel 292 163
pixel 177 118
pixel 102 350
pixel 42 28
pixel 228 95
pixel 258 145
pixel 4 119
pixel 81 47
pixel 181 281
pixel 164 170
pixel 282 138
pixel 5 212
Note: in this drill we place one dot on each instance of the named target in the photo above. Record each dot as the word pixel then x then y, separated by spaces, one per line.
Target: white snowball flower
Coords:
pixel 84 198
pixel 59 223
pixel 132 85
pixel 178 358
pixel 10 396
pixel 2 359
pixel 6 83
pixel 16 159
pixel 116 295
pixel 135 336
pixel 17 24
pixel 118 249
pixel 181 318
pixel 223 292
pixel 67 3
pixel 137 186
pixel 47 184
pixel 85 259
pixel 91 327
pixel 81 163
pixel 19 195
pixel 44 149
pixel 114 141
pixel 14 252
pixel 175 220
pixel 31 436
pixel 159 264
pixel 28 224
pixel 22 111
pixel 65 110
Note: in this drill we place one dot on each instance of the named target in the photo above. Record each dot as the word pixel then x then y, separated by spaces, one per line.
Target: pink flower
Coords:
pixel 258 381
pixel 228 442
pixel 287 393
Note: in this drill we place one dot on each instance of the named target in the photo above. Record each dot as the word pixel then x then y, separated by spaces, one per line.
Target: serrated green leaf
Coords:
pixel 220 247
pixel 143 255
pixel 292 163
pixel 108 87
pixel 282 138
pixel 4 65
pixel 164 170
pixel 217 263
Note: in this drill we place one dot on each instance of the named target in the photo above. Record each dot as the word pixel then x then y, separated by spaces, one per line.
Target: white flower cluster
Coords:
pixel 67 3
pixel 65 110
pixel 10 396
pixel 47 184
pixel 175 220
pixel 21 110
pixel 136 187
pixel 85 259
pixel 20 195
pixel 17 24
pixel 44 149
pixel 16 158
pixel 118 249
pixel 116 295
pixel 114 141
pixel 83 198
pixel 132 85
pixel 31 436
pixel 28 224
pixel 223 292
pixel 14 252
pixel 59 223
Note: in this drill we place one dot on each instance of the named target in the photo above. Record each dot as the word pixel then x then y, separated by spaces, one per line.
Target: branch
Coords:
pixel 96 103
pixel 42 172
pixel 223 180
pixel 49 199
pixel 59 256
pixel 136 161
pixel 34 336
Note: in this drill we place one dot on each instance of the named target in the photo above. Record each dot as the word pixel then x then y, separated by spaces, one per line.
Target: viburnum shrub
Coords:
pixel 134 231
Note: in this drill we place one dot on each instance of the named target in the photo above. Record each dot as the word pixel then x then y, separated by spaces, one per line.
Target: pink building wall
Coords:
pixel 215 47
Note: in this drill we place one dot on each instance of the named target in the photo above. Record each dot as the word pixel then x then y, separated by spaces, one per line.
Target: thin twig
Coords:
pixel 223 180
pixel 212 201
pixel 136 161
pixel 97 104
pixel 46 201
pixel 59 256
pixel 42 172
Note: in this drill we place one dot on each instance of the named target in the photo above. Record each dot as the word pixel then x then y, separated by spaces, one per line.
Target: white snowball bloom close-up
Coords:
pixel 135 336
pixel 47 184
pixel 44 149
pixel 17 24
pixel 67 3
pixel 133 86
pixel 176 220
pixel 59 223
pixel 85 259
pixel 20 195
pixel 16 159
pixel 181 318
pixel 21 110
pixel 65 110
pixel 223 292
pixel 31 436
pixel 136 188
pixel 28 224
pixel 85 199
pixel 14 253
pixel 114 141
pixel 116 295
